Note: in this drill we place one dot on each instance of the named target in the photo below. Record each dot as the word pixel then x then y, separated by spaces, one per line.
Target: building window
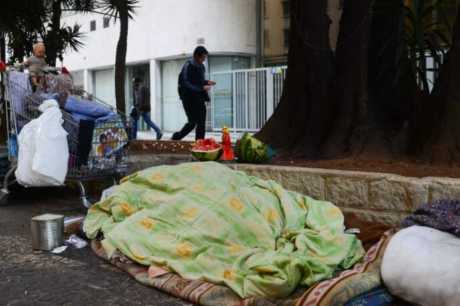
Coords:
pixel 106 22
pixel 286 9
pixel 286 38
pixel 92 25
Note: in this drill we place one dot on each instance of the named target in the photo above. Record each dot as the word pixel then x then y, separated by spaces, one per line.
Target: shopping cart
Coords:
pixel 97 150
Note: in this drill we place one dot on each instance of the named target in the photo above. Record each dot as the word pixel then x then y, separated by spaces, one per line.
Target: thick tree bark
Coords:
pixel 3 128
pixel 2 47
pixel 301 120
pixel 385 58
pixel 52 39
pixel 350 96
pixel 120 62
pixel 442 110
pixel 392 86
pixel 325 96
pixel 363 99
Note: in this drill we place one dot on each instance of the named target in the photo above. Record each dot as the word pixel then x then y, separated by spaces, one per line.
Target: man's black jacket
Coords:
pixel 191 82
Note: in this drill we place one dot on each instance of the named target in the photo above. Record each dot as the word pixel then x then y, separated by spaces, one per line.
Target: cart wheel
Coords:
pixel 83 196
pixel 4 197
pixel 8 180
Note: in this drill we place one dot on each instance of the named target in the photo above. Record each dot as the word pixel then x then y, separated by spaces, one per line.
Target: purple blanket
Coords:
pixel 443 215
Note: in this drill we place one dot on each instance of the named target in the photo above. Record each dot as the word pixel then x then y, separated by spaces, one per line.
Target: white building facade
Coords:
pixel 161 37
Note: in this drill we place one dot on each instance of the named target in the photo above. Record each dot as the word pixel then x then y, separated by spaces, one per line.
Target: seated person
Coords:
pixel 36 64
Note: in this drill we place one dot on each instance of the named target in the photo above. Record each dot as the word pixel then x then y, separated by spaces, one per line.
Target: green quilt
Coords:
pixel 206 221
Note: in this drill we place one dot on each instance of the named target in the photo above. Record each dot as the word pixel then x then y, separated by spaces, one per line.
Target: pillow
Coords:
pixel 421 265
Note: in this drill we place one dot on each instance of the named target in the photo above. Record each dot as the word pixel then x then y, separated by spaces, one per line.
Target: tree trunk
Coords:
pixel 392 86
pixel 52 38
pixel 3 127
pixel 325 96
pixel 120 62
pixel 300 122
pixel 442 110
pixel 19 52
pixel 350 96
pixel 2 47
pixel 385 57
pixel 363 99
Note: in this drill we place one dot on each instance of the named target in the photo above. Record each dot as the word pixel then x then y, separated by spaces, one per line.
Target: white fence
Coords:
pixel 244 100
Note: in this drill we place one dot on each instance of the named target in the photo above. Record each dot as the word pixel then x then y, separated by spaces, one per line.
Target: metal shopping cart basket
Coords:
pixel 97 148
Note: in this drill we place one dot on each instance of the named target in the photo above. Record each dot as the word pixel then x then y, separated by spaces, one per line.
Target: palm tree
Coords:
pixel 59 37
pixel 124 10
pixel 20 21
pixel 26 21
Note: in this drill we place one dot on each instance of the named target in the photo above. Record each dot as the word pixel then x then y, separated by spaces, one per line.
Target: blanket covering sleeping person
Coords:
pixel 206 221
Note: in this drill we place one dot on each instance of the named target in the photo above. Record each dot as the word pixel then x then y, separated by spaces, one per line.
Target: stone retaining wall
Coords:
pixel 386 198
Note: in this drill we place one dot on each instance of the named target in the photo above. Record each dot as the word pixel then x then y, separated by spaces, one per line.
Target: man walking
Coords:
pixel 193 91
pixel 142 108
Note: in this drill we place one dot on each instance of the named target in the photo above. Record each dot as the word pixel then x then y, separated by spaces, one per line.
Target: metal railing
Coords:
pixel 244 100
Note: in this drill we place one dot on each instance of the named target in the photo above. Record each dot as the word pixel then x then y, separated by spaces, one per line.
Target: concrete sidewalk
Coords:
pixel 150 135
pixel 76 277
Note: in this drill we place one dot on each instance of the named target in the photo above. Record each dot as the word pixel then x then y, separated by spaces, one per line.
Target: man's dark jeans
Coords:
pixel 196 116
pixel 150 124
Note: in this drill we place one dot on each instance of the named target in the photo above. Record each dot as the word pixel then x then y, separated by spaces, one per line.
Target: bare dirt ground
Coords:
pixel 404 168
pixel 369 164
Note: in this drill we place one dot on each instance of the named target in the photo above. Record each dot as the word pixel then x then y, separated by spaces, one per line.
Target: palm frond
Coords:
pixel 72 37
pixel 113 8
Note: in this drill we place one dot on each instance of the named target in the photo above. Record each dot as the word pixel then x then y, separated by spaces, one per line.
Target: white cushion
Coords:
pixel 422 266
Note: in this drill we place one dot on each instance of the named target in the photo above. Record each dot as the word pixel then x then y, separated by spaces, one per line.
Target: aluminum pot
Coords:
pixel 47 232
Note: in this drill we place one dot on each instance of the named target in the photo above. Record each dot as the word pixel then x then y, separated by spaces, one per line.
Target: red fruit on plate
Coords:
pixel 207 152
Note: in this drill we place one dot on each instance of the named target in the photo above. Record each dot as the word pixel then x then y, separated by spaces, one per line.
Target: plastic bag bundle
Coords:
pixel 43 149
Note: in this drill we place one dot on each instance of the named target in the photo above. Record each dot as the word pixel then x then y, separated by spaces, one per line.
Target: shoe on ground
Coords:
pixel 175 137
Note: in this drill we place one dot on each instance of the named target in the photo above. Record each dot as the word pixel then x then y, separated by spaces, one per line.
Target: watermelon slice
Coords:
pixel 207 150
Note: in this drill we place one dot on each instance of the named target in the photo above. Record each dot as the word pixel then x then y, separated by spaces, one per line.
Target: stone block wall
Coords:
pixel 385 198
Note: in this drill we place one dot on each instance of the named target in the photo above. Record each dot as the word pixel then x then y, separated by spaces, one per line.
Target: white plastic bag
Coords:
pixel 52 150
pixel 43 149
pixel 26 142
pixel 421 264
